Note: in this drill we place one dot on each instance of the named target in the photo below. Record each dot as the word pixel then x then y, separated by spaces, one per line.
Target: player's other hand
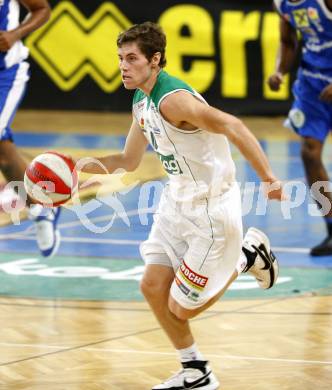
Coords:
pixel 326 94
pixel 275 80
pixel 7 39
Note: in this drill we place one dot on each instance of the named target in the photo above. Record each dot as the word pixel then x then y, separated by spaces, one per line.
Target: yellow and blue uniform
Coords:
pixel 309 116
pixel 14 71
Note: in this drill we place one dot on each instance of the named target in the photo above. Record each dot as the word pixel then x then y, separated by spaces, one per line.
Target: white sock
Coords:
pixel 190 353
pixel 241 264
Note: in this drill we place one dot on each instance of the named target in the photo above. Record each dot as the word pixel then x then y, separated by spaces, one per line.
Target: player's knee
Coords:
pixel 150 288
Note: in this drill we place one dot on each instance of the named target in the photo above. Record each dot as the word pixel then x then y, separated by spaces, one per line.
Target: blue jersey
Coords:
pixel 314 20
pixel 9 20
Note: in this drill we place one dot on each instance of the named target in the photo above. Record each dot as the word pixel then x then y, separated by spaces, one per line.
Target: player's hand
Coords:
pixel 7 39
pixel 275 80
pixel 326 94
pixel 274 190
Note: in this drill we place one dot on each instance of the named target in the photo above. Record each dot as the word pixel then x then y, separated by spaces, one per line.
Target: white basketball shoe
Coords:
pixel 196 374
pixel 261 262
pixel 48 236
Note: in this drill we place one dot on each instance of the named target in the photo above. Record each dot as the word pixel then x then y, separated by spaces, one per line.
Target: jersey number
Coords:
pixel 170 164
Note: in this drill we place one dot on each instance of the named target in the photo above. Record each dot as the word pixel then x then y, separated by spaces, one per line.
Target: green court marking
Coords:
pixel 82 278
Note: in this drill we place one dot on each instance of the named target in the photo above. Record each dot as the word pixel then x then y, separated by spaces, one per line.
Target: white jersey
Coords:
pixel 9 20
pixel 198 163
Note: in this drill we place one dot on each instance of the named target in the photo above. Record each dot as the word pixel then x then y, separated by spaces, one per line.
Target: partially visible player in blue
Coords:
pixel 14 74
pixel 311 113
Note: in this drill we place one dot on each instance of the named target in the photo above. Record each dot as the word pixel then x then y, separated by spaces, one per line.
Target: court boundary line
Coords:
pixel 111 241
pixel 77 347
pixel 145 352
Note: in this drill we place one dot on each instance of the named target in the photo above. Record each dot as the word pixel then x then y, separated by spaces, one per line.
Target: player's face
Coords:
pixel 134 66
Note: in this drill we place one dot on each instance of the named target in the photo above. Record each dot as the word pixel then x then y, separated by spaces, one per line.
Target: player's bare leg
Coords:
pixel 155 286
pixel 256 258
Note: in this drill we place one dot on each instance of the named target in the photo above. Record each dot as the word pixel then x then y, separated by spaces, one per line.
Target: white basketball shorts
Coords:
pixel 202 243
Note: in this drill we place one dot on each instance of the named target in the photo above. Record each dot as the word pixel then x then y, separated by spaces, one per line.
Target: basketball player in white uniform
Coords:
pixel 14 74
pixel 195 248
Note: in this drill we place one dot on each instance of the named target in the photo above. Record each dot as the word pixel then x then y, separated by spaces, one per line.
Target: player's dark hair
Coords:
pixel 150 39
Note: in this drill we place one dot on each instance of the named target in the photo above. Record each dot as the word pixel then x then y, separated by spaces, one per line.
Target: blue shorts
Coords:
pixel 12 87
pixel 309 116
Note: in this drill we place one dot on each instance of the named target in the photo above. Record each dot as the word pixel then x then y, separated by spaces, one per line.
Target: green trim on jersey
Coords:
pixel 164 85
pixel 138 96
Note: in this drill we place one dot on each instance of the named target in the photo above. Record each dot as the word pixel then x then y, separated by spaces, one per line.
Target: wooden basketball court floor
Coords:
pixel 78 321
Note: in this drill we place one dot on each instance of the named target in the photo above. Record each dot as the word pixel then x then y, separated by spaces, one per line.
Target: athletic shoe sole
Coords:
pixel 260 242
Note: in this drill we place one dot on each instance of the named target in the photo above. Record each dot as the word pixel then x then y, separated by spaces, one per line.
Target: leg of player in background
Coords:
pixel 311 153
pixel 12 165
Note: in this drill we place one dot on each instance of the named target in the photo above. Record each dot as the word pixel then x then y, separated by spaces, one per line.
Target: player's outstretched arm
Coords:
pixel 39 13
pixel 128 160
pixel 182 107
pixel 287 54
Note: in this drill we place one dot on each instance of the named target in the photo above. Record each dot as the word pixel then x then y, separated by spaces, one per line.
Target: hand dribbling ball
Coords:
pixel 50 179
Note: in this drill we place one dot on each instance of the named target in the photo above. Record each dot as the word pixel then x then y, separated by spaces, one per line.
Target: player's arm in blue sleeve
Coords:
pixel 39 13
pixel 287 54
